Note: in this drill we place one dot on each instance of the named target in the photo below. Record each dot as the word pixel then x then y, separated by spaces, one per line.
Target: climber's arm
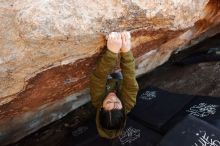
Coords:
pixel 129 86
pixel 98 78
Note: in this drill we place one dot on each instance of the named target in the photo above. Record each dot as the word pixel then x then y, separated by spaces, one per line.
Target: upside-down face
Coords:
pixel 111 102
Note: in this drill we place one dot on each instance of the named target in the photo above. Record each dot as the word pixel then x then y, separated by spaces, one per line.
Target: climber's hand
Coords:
pixel 114 42
pixel 126 41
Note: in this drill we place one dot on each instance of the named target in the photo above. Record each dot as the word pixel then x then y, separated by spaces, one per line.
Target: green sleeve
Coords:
pixel 129 86
pixel 99 76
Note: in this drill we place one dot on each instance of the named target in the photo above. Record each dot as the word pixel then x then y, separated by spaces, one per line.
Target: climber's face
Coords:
pixel 111 102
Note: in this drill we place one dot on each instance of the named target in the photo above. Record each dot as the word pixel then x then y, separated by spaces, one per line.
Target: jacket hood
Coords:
pixel 109 134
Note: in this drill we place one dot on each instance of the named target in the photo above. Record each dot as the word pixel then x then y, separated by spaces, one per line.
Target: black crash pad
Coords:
pixel 204 107
pixel 155 107
pixel 86 134
pixel 192 132
pixel 134 134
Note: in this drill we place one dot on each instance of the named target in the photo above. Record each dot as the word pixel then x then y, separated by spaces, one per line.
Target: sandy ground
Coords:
pixel 199 79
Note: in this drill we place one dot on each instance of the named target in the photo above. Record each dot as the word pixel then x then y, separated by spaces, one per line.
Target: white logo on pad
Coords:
pixel 202 110
pixel 129 135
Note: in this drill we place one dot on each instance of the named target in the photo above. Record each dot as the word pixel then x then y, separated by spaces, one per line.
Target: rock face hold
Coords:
pixel 48 48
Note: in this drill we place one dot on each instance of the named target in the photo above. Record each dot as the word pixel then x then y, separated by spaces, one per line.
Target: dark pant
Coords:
pixel 116 75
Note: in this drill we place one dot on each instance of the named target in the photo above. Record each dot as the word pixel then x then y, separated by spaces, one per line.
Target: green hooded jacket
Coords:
pixel 100 86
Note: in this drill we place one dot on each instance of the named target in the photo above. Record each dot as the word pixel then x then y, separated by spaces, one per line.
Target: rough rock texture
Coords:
pixel 48 48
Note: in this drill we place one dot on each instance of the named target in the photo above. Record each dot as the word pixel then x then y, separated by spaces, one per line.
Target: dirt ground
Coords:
pixel 199 79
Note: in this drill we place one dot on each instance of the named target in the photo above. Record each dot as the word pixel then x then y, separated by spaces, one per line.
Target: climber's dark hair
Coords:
pixel 113 119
